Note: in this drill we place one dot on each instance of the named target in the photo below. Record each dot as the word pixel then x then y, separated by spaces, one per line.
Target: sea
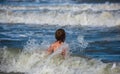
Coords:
pixel 27 29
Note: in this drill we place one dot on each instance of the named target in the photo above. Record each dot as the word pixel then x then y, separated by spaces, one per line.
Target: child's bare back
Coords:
pixel 60 37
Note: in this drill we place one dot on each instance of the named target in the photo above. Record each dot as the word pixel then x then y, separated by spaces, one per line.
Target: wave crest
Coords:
pixel 84 14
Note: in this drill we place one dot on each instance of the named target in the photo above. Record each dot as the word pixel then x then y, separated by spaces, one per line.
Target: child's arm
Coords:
pixel 64 52
pixel 50 50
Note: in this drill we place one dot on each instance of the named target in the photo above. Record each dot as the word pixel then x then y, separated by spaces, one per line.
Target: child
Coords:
pixel 60 38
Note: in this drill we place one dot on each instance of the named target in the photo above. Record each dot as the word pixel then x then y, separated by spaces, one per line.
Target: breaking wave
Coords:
pixel 33 60
pixel 82 14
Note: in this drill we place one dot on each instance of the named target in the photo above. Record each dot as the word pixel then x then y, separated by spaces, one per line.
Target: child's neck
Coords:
pixel 59 42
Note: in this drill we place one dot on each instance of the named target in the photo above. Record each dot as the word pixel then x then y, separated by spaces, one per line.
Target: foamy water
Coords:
pixel 83 14
pixel 26 31
pixel 37 62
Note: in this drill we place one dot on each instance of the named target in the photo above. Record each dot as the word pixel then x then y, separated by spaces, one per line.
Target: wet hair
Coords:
pixel 60 35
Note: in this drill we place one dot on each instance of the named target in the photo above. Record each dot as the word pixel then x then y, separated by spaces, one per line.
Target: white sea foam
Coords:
pixel 35 61
pixel 84 14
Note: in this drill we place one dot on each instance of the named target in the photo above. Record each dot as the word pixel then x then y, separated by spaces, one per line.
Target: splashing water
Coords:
pixel 34 29
pixel 56 53
pixel 38 62
pixel 82 42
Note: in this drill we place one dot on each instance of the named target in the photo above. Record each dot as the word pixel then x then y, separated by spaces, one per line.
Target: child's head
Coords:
pixel 60 35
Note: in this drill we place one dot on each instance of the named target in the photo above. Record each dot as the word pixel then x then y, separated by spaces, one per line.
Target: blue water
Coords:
pixel 92 42
pixel 92 33
pixel 49 2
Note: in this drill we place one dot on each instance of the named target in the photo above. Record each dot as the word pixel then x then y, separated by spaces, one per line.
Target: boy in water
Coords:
pixel 60 38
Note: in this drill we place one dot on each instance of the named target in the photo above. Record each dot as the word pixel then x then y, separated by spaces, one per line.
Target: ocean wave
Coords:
pixel 84 14
pixel 36 62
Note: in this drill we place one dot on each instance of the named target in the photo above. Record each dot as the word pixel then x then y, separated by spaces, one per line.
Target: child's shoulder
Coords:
pixel 53 44
pixel 56 44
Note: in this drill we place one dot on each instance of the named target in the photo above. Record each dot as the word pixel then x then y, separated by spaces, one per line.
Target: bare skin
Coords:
pixel 55 46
